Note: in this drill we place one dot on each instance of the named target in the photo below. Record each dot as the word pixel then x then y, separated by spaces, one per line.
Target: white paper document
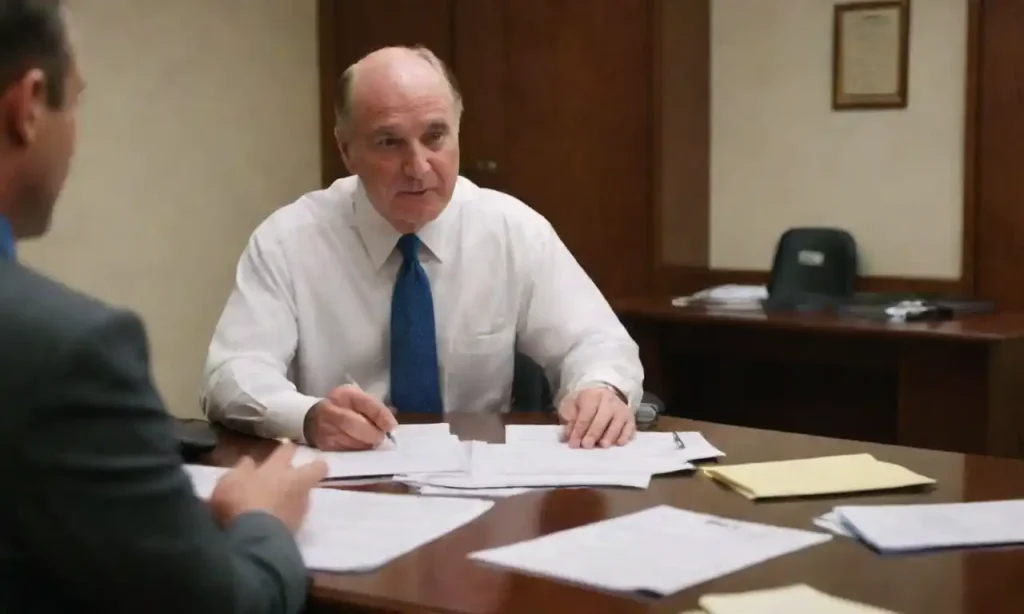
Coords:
pixel 417 448
pixel 500 493
pixel 204 478
pixel 533 458
pixel 349 531
pixel 358 531
pixel 833 524
pixel 909 528
pixel 661 550
pixel 481 481
pixel 695 446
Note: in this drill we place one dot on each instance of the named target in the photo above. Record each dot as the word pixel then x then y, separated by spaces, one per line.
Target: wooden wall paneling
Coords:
pixel 361 26
pixel 971 119
pixel 327 60
pixel 578 129
pixel 682 131
pixel 479 61
pixel 999 219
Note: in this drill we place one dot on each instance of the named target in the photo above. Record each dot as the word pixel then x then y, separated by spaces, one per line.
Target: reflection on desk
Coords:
pixel 440 576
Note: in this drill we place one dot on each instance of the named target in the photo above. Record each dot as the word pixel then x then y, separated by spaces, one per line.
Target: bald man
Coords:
pixel 407 288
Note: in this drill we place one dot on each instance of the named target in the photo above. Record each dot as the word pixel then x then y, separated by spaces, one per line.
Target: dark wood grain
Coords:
pixel 440 578
pixel 999 221
pixel 578 129
pixel 956 385
pixel 974 328
pixel 360 27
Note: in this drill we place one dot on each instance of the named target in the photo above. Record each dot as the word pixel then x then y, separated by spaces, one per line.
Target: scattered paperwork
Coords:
pixel 660 550
pixel 929 526
pixel 794 599
pixel 536 456
pixel 695 446
pixel 351 531
pixel 815 476
pixel 417 447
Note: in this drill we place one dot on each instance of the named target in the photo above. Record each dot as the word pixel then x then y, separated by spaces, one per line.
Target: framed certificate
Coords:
pixel 871 42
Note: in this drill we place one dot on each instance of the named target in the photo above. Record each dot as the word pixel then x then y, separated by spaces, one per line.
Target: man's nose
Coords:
pixel 417 164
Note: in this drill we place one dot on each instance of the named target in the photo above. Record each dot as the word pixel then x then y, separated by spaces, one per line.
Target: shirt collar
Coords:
pixel 7 246
pixel 380 237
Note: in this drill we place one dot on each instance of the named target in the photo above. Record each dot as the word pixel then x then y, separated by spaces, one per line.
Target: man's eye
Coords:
pixel 434 138
pixel 388 142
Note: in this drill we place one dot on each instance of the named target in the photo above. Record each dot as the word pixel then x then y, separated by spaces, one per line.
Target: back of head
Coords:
pixel 36 133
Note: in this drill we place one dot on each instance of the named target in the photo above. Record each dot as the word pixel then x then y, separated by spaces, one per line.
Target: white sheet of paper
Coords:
pixel 348 531
pixel 533 458
pixel 908 528
pixel 434 430
pixel 442 491
pixel 833 524
pixel 661 549
pixel 204 478
pixel 411 454
pixel 480 481
pixel 696 446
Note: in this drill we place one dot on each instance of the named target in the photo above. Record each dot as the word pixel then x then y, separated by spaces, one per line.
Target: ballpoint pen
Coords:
pixel 352 382
pixel 678 440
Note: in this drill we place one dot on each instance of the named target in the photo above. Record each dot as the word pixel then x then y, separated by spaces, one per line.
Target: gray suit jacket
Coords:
pixel 96 513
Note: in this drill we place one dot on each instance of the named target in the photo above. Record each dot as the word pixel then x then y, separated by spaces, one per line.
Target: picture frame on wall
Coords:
pixel 871 45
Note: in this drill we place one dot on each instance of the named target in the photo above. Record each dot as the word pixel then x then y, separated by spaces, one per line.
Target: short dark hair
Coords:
pixel 32 35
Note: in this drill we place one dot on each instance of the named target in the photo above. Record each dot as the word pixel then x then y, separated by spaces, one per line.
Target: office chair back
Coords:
pixel 813 268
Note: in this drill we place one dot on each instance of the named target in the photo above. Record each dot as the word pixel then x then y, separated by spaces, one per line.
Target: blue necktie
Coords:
pixel 7 251
pixel 415 377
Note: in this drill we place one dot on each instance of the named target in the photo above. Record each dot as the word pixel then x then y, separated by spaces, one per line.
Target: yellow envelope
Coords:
pixel 815 476
pixel 794 599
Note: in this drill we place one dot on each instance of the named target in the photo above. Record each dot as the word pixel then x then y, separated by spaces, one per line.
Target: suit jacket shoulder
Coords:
pixel 101 512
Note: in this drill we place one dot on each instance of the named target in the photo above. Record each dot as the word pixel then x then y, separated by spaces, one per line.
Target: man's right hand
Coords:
pixel 348 419
pixel 275 487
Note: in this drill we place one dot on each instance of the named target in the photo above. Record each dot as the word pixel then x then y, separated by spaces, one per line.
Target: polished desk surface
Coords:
pixel 983 327
pixel 439 576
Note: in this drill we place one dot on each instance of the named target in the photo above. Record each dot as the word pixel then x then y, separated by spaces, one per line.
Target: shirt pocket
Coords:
pixel 478 371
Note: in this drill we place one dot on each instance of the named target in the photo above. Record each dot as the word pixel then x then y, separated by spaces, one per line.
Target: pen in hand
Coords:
pixel 352 382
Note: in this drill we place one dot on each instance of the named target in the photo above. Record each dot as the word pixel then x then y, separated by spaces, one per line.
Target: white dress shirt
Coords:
pixel 312 305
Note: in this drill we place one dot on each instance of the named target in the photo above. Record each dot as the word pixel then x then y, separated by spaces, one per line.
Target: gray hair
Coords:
pixel 343 89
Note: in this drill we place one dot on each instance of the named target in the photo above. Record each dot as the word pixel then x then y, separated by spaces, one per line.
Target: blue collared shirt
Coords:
pixel 7 251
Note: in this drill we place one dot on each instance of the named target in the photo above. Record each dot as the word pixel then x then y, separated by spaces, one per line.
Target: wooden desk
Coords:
pixel 439 576
pixel 955 385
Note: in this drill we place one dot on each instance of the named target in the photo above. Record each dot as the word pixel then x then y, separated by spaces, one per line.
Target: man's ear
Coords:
pixel 343 145
pixel 23 104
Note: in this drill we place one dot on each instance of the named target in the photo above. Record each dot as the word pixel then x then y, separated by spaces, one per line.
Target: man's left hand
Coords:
pixel 596 417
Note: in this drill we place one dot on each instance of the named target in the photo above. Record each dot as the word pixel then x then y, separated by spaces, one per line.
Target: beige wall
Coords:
pixel 780 156
pixel 200 118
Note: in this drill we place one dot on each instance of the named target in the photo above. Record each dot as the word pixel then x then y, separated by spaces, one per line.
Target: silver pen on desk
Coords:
pixel 352 382
pixel 678 440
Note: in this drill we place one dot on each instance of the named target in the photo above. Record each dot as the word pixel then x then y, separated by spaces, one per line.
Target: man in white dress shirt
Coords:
pixel 407 286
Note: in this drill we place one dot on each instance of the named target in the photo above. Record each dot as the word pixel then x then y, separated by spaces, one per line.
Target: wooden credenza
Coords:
pixel 956 385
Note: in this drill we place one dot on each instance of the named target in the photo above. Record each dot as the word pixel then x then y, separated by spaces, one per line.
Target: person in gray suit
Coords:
pixel 98 514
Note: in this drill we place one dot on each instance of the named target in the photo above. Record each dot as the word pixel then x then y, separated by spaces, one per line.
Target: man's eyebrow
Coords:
pixel 438 125
pixel 385 130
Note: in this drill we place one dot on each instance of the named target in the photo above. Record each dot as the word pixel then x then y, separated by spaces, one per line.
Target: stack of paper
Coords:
pixel 661 550
pixel 536 456
pixel 794 599
pixel 418 447
pixel 359 531
pixel 911 528
pixel 815 476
